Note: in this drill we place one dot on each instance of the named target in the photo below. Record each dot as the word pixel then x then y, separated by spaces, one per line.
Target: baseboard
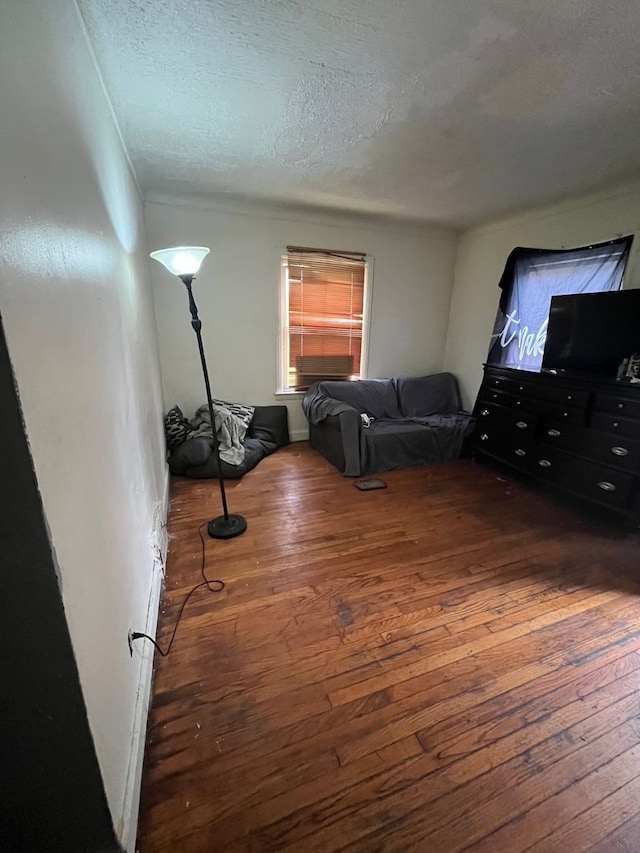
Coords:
pixel 299 435
pixel 128 825
pixel 143 652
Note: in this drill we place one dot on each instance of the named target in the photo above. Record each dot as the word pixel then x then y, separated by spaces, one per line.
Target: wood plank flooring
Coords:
pixel 448 664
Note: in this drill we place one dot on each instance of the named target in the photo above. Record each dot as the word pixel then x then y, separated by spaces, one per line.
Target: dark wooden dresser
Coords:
pixel 580 435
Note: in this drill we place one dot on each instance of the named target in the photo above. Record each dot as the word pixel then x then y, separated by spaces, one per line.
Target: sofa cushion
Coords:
pixel 253 453
pixel 270 425
pixel 194 458
pixel 399 444
pixel 420 396
pixel 374 397
pixel 193 451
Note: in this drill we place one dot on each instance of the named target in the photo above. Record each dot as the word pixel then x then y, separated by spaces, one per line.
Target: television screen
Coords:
pixel 592 332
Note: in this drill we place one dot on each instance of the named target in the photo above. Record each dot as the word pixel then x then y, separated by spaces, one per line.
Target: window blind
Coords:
pixel 325 315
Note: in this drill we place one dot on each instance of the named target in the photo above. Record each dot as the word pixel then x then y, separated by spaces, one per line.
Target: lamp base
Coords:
pixel 226 528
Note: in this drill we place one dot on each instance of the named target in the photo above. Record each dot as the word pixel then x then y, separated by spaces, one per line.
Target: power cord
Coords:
pixel 136 635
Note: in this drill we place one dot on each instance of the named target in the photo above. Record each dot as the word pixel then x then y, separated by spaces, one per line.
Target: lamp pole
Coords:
pixel 227 525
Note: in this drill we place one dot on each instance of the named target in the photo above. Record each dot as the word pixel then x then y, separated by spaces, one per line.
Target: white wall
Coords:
pixel 237 292
pixel 77 308
pixel 482 253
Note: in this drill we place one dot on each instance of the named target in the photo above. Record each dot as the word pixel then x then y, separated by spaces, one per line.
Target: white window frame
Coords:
pixel 283 388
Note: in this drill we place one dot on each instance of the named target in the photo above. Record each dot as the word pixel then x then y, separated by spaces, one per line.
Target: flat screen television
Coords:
pixel 592 332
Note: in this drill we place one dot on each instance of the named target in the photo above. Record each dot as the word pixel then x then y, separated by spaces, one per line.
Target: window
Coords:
pixel 323 311
pixel 531 277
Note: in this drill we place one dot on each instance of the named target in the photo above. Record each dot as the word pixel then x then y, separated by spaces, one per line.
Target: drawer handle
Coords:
pixel 565 414
pixel 521 388
pixel 495 396
pixel 616 424
pixel 620 451
pixel 607 486
pixel 554 433
pixel 521 424
pixel 569 397
pixel 520 452
pixel 484 437
pixel 544 463
pixel 484 412
pixel 621 405
pixel 518 403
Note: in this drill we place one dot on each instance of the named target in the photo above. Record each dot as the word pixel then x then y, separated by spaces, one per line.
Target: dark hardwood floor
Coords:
pixel 451 663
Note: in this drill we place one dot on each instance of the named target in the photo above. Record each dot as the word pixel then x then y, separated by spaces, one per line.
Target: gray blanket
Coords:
pixel 230 431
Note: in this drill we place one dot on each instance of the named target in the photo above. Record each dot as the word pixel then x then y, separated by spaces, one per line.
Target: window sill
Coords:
pixel 289 395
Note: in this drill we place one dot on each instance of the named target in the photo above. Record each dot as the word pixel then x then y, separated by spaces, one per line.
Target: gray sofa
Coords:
pixel 375 425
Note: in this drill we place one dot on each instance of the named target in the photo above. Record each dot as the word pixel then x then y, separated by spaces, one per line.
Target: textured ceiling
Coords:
pixel 450 111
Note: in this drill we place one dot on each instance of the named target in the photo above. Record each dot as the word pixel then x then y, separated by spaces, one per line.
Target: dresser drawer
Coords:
pixel 557 412
pixel 603 484
pixel 568 414
pixel 499 381
pixel 505 447
pixel 494 396
pixel 615 424
pixel 512 384
pixel 538 393
pixel 565 397
pixel 552 465
pixel 530 407
pixel 522 388
pixel 506 402
pixel 617 451
pixel 508 420
pixel 622 406
pixel 593 481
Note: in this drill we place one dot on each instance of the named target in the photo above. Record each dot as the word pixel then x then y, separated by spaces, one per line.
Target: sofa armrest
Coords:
pixel 338 438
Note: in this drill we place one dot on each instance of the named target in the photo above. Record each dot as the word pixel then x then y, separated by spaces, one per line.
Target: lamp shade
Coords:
pixel 181 260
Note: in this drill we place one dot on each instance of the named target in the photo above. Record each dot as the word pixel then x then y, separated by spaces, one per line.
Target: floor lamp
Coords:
pixel 184 262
